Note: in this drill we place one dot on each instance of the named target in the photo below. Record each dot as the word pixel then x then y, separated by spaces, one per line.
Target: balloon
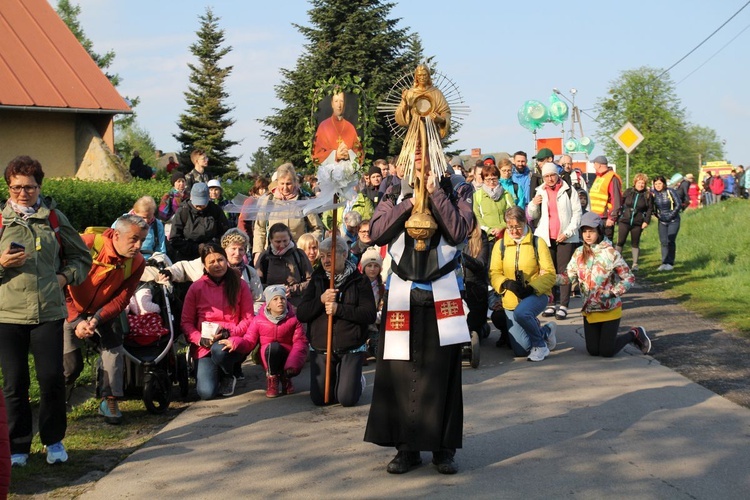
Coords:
pixel 558 110
pixel 586 144
pixel 571 145
pixel 532 115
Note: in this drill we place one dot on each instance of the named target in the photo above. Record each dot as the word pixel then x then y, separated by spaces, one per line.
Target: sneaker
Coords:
pixel 549 312
pixel 110 410
pixel 19 459
pixel 287 387
pixel 551 339
pixel 634 268
pixel 538 353
pixel 562 313
pixel 237 371
pixel 272 390
pixel 641 340
pixel 227 386
pixel 668 267
pixel 662 267
pixel 56 453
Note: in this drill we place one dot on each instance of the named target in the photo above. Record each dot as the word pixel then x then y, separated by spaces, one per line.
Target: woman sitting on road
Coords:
pixel 637 206
pixel 217 306
pixel 352 305
pixel 522 271
pixel 603 277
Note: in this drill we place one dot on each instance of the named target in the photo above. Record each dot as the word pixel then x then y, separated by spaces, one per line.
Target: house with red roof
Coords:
pixel 56 105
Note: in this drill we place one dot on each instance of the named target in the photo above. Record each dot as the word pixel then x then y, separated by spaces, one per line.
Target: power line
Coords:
pixel 713 55
pixel 704 41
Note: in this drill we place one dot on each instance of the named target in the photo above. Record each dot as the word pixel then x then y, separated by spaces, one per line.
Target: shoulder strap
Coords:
pixel 535 240
pixel 96 249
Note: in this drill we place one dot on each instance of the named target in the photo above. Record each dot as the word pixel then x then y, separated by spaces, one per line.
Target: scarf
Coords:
pixel 278 196
pixel 25 212
pixel 495 193
pixel 275 319
pixel 283 250
pixel 339 279
pixel 507 184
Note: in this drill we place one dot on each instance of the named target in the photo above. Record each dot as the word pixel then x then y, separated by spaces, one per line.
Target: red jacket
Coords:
pixel 288 333
pixel 105 292
pixel 205 301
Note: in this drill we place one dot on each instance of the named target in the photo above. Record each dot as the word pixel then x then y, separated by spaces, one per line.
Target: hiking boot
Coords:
pixel 403 462
pixel 19 459
pixel 443 459
pixel 538 353
pixel 286 385
pixel 110 410
pixel 273 386
pixel 551 339
pixel 641 340
pixel 56 453
pixel 227 386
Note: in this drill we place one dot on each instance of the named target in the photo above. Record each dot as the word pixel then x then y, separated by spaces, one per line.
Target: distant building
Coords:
pixel 56 105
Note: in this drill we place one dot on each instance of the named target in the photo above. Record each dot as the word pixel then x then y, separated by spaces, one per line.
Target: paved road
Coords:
pixel 572 426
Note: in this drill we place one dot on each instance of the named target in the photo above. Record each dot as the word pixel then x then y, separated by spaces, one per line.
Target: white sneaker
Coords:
pixel 668 267
pixel 56 453
pixel 538 353
pixel 551 339
pixel 662 267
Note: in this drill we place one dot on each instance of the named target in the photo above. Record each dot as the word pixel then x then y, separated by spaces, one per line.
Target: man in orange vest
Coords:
pixel 606 195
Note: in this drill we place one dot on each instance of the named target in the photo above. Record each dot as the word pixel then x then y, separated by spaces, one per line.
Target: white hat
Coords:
pixel 371 255
pixel 214 183
pixel 549 168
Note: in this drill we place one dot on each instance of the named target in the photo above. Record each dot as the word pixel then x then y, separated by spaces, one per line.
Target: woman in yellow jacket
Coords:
pixel 522 271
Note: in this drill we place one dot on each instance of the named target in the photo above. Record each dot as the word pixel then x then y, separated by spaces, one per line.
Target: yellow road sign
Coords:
pixel 628 137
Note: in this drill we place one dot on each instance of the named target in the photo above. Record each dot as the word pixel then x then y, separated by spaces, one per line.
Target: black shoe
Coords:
pixel 444 461
pixel 403 462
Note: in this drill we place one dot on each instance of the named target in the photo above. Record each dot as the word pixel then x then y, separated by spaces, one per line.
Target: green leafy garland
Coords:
pixel 365 116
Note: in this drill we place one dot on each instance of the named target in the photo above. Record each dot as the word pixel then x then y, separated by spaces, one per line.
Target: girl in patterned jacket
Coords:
pixel 603 276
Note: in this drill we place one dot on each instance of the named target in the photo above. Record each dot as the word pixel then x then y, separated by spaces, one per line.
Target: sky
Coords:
pixel 500 54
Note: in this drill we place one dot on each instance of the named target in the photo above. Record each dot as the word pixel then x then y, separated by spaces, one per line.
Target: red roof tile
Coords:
pixel 42 64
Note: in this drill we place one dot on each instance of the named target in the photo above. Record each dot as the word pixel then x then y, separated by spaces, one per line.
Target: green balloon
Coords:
pixel 558 112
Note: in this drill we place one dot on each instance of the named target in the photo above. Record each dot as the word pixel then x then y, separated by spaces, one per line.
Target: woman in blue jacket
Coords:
pixel 667 206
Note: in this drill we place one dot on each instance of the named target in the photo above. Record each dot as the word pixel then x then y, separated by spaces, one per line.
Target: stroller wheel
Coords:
pixel 157 392
pixel 474 350
pixel 182 376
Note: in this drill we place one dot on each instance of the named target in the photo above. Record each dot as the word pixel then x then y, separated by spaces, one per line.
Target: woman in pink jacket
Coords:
pixel 217 307
pixel 283 343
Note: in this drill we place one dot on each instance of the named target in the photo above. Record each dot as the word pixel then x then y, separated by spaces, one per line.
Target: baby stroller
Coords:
pixel 151 359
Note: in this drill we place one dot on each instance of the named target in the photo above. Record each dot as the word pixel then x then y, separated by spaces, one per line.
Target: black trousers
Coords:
pixel 45 342
pixel 346 378
pixel 602 338
pixel 275 356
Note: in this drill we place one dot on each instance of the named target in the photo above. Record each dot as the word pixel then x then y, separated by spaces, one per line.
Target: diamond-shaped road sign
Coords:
pixel 628 137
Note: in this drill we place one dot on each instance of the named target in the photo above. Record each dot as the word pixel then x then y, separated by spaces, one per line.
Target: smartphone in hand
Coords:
pixel 16 247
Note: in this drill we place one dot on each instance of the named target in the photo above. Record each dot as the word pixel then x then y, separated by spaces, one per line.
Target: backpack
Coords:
pixel 96 249
pixel 166 207
pixel 297 262
pixel 54 223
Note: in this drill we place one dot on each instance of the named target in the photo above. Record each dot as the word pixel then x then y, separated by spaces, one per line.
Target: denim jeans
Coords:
pixel 524 328
pixel 667 237
pixel 208 375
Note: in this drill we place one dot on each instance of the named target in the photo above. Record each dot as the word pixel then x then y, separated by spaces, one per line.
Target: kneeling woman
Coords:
pixel 603 277
pixel 352 305
pixel 220 296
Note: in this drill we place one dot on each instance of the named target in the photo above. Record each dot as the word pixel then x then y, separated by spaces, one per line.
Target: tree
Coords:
pixel 204 123
pixel 261 163
pixel 346 39
pixel 134 138
pixel 704 144
pixel 648 100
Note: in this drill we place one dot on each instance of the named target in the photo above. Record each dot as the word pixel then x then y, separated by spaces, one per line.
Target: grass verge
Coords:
pixel 711 266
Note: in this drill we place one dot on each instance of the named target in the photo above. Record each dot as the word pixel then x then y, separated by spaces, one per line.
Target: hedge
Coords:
pixel 99 203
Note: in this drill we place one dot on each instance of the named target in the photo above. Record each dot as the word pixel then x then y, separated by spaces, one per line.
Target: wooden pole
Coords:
pixel 329 344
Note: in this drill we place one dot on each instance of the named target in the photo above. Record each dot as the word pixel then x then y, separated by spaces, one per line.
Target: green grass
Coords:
pixel 712 263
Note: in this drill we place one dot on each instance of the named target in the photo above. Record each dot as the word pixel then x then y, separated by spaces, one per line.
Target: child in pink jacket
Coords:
pixel 283 343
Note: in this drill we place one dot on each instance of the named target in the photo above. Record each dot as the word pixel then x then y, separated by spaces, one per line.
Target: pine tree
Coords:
pixel 346 38
pixel 204 123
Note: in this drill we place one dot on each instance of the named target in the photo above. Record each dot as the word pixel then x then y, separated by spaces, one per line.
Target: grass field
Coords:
pixel 711 275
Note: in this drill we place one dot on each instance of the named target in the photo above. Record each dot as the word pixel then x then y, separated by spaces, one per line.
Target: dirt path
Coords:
pixel 691 345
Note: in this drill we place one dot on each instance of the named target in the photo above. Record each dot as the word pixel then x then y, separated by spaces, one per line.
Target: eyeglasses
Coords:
pixel 515 229
pixel 364 231
pixel 17 189
pixel 489 179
